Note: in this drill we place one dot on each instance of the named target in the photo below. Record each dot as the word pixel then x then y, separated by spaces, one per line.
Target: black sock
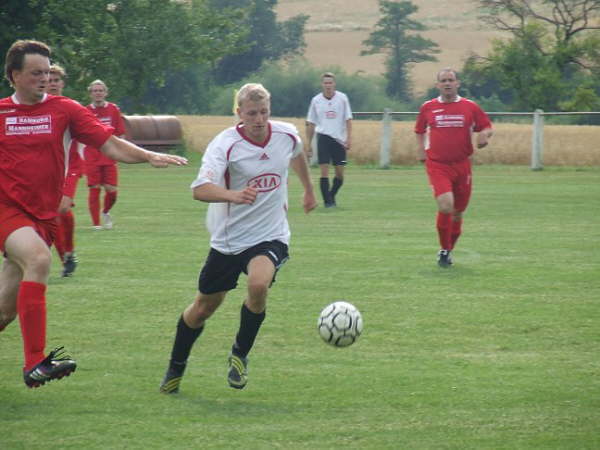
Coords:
pixel 184 340
pixel 337 184
pixel 325 189
pixel 249 325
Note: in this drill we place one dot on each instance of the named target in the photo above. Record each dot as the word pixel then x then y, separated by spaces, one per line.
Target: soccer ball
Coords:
pixel 340 324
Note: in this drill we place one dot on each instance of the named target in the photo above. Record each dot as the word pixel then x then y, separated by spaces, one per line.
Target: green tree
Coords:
pixel 533 78
pixel 555 46
pixel 268 40
pixel 394 36
pixel 293 83
pixel 133 45
pixel 17 23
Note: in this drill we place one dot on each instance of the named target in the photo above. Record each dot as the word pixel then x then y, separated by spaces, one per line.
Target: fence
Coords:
pixel 537 144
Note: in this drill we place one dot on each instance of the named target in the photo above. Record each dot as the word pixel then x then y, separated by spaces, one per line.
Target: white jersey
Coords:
pixel 233 161
pixel 330 115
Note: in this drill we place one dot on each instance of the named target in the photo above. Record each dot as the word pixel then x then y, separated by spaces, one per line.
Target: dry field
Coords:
pixel 563 144
pixel 336 29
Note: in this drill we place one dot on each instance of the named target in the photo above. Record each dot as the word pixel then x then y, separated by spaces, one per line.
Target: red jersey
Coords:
pixel 33 140
pixel 110 115
pixel 450 127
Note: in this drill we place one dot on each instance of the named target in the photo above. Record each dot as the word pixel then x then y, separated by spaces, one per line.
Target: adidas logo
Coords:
pixel 264 157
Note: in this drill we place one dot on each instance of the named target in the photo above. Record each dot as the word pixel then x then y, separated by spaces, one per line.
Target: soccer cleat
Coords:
pixel 444 258
pixel 171 381
pixel 107 220
pixel 53 367
pixel 69 265
pixel 238 371
pixel 96 228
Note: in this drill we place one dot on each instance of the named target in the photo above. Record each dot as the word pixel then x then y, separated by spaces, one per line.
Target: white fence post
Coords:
pixel 386 140
pixel 537 144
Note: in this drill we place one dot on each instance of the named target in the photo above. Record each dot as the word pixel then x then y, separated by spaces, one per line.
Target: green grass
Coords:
pixel 498 352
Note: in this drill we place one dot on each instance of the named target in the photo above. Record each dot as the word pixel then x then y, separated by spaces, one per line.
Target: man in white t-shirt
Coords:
pixel 330 115
pixel 244 177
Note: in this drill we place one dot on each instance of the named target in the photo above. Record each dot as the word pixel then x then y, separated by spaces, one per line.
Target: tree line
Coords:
pixel 154 53
pixel 185 57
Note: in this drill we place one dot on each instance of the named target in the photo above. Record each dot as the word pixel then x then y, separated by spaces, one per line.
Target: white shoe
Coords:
pixel 96 227
pixel 108 223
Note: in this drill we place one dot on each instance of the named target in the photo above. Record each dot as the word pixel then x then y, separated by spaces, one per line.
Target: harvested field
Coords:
pixel 564 145
pixel 336 29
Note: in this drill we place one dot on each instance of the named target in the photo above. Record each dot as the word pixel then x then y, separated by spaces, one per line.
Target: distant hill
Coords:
pixel 336 29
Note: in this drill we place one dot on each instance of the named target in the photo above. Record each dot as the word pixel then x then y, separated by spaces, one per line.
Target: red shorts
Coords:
pixel 102 174
pixel 451 177
pixel 13 218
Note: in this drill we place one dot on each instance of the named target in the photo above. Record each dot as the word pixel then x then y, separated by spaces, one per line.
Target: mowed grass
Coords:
pixel 498 352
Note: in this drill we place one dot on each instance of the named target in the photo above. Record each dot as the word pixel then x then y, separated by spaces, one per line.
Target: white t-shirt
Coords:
pixel 330 115
pixel 233 161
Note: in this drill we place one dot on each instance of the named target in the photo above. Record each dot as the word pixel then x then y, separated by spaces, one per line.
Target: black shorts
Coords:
pixel 221 272
pixel 330 151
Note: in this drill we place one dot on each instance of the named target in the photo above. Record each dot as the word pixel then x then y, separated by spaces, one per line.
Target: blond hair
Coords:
pixel 59 70
pixel 100 82
pixel 255 92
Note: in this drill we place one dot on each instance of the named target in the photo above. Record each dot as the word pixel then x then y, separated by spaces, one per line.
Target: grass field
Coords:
pixel 498 352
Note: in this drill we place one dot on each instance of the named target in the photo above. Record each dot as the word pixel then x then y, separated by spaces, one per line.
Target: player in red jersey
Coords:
pixel 34 128
pixel 64 241
pixel 102 171
pixel 444 131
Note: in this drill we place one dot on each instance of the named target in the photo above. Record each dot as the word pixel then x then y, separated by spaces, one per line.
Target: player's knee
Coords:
pixel 257 288
pixel 445 208
pixel 204 309
pixel 204 312
pixel 256 304
pixel 38 264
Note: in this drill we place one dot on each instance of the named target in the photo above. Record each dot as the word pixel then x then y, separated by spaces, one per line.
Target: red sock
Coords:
pixel 59 242
pixel 456 231
pixel 444 228
pixel 94 205
pixel 31 307
pixel 68 225
pixel 110 198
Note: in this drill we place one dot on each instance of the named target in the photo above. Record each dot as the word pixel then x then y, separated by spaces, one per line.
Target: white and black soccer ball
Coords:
pixel 340 324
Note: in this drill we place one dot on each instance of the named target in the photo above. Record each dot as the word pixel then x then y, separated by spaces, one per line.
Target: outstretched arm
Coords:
pixel 127 152
pixel 300 166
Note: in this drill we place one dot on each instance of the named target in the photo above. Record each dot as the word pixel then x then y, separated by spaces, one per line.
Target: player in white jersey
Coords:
pixel 244 176
pixel 330 115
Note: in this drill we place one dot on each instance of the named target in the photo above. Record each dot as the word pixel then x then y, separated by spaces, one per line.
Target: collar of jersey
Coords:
pixel 441 100
pixel 239 127
pixel 17 102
